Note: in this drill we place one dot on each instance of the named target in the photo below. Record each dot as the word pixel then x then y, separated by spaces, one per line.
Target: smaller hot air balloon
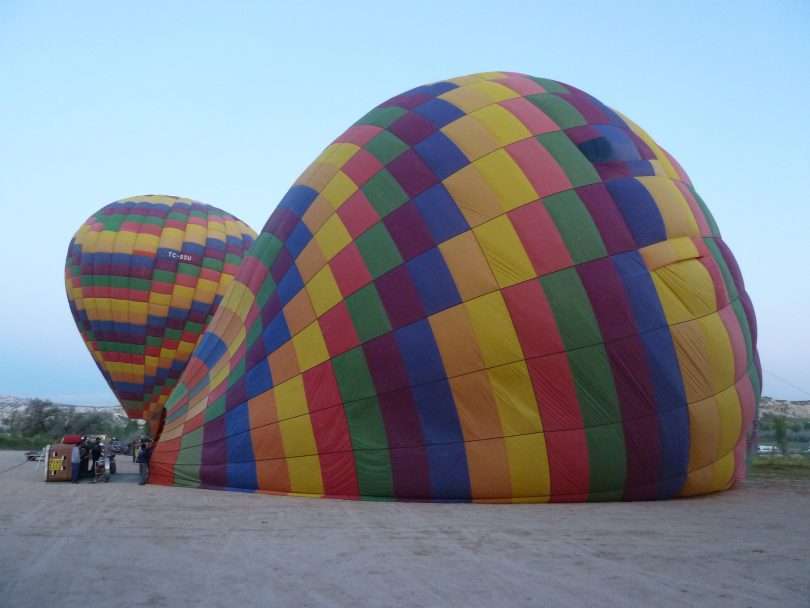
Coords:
pixel 143 277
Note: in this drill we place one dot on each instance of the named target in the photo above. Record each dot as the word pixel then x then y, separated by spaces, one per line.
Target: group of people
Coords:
pixel 90 458
pixel 94 459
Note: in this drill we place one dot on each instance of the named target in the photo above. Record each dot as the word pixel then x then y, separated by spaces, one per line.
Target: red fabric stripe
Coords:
pixel 533 319
pixel 541 239
pixel 566 443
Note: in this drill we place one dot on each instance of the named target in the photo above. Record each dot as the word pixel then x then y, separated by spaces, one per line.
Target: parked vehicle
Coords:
pixel 34 456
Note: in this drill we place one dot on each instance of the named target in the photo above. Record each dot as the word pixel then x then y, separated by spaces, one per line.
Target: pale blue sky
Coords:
pixel 228 102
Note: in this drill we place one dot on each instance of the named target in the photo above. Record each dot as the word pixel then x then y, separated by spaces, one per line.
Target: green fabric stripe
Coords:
pixel 708 214
pixel 378 250
pixel 187 466
pixel 601 415
pixel 731 287
pixel 581 236
pixel 215 409
pixel 367 313
pixel 255 332
pixel 366 427
pixel 266 248
pixel 596 392
pixel 236 373
pixel 267 289
pixel 105 280
pixel 177 394
pixel 163 276
pixel 386 146
pixel 384 193
pixel 739 312
pixel 756 383
pixel 210 263
pixel 551 86
pixel 188 269
pixel 374 476
pixel 111 222
pixel 176 414
pixel 607 462
pixel 382 117
pixel 572 309
pixel 353 378
pixel 121 347
pixel 578 168
pixel 558 110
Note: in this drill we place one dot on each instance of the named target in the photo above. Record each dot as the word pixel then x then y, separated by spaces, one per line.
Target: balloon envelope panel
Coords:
pixel 144 275
pixel 489 288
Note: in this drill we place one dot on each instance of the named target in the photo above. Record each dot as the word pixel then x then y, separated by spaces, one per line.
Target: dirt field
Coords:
pixel 120 544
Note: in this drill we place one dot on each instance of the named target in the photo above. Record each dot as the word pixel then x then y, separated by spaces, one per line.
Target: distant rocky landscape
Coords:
pixel 783 407
pixel 10 404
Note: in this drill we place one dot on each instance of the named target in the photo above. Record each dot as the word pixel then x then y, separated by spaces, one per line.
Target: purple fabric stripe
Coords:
pixel 607 217
pixel 634 388
pixel 608 299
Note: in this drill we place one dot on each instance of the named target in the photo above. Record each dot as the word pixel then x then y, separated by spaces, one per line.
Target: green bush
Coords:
pixel 19 442
pixel 780 467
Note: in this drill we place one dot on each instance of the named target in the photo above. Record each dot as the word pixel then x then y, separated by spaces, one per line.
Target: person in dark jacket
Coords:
pixel 95 454
pixel 84 458
pixel 144 454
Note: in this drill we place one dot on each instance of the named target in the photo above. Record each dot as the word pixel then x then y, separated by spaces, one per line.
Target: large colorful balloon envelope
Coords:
pixel 491 288
pixel 144 275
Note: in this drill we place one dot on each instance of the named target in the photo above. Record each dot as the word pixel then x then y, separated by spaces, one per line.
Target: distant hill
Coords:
pixel 782 407
pixel 9 404
pixel 767 405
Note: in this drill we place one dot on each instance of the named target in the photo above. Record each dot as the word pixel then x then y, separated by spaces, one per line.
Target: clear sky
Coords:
pixel 227 102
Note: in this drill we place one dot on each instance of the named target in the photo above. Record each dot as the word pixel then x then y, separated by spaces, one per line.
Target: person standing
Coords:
pixel 75 459
pixel 84 458
pixel 95 454
pixel 144 454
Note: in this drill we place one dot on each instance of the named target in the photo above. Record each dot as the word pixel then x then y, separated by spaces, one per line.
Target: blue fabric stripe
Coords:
pixel 639 210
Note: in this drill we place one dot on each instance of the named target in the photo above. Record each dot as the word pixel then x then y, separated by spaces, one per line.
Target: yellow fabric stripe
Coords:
pixel 493 328
pixel 339 189
pixel 668 252
pixel 310 347
pixel 504 252
pixel 305 475
pixel 290 398
pixel 686 290
pixel 506 179
pixel 719 353
pixel 675 211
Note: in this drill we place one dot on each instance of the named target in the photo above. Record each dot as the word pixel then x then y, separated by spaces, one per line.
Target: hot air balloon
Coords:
pixel 490 288
pixel 144 275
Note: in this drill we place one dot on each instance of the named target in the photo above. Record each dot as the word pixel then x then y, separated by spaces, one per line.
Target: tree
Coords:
pixel 780 433
pixel 37 417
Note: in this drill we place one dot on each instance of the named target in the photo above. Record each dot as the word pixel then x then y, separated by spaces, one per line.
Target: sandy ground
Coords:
pixel 120 544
